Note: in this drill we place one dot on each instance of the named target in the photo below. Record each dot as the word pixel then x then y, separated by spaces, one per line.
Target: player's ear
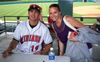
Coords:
pixel 40 17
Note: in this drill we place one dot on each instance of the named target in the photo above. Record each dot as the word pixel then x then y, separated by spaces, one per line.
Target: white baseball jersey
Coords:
pixel 31 38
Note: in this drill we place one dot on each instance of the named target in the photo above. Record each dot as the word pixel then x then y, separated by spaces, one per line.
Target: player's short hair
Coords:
pixel 35 7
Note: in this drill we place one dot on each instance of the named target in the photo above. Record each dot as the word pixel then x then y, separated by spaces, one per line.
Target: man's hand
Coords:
pixel 6 53
pixel 12 45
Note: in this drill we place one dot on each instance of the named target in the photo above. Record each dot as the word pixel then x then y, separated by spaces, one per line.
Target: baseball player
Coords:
pixel 30 36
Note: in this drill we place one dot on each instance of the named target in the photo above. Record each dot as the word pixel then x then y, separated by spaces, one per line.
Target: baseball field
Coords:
pixel 89 9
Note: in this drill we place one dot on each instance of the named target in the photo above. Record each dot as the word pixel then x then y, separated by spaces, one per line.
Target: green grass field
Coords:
pixel 21 10
pixel 84 4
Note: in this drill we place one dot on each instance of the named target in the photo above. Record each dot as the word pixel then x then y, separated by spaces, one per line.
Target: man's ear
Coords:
pixel 40 17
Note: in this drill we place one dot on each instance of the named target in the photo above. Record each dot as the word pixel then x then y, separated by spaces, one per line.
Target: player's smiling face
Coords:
pixel 33 15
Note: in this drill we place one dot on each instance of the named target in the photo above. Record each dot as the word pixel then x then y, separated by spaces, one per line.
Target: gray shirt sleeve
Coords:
pixel 88 35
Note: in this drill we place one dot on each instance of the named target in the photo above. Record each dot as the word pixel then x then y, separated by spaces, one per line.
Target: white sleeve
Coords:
pixel 17 33
pixel 47 37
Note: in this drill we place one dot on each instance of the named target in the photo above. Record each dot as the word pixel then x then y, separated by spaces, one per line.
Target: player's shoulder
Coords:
pixel 22 23
pixel 43 25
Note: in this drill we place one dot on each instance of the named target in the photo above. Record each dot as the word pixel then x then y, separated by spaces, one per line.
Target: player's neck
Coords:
pixel 33 23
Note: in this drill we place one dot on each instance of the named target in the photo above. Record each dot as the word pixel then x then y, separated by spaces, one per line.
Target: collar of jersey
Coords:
pixel 33 29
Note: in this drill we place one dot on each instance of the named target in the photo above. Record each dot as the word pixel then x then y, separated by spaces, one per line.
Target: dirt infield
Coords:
pixel 88 11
